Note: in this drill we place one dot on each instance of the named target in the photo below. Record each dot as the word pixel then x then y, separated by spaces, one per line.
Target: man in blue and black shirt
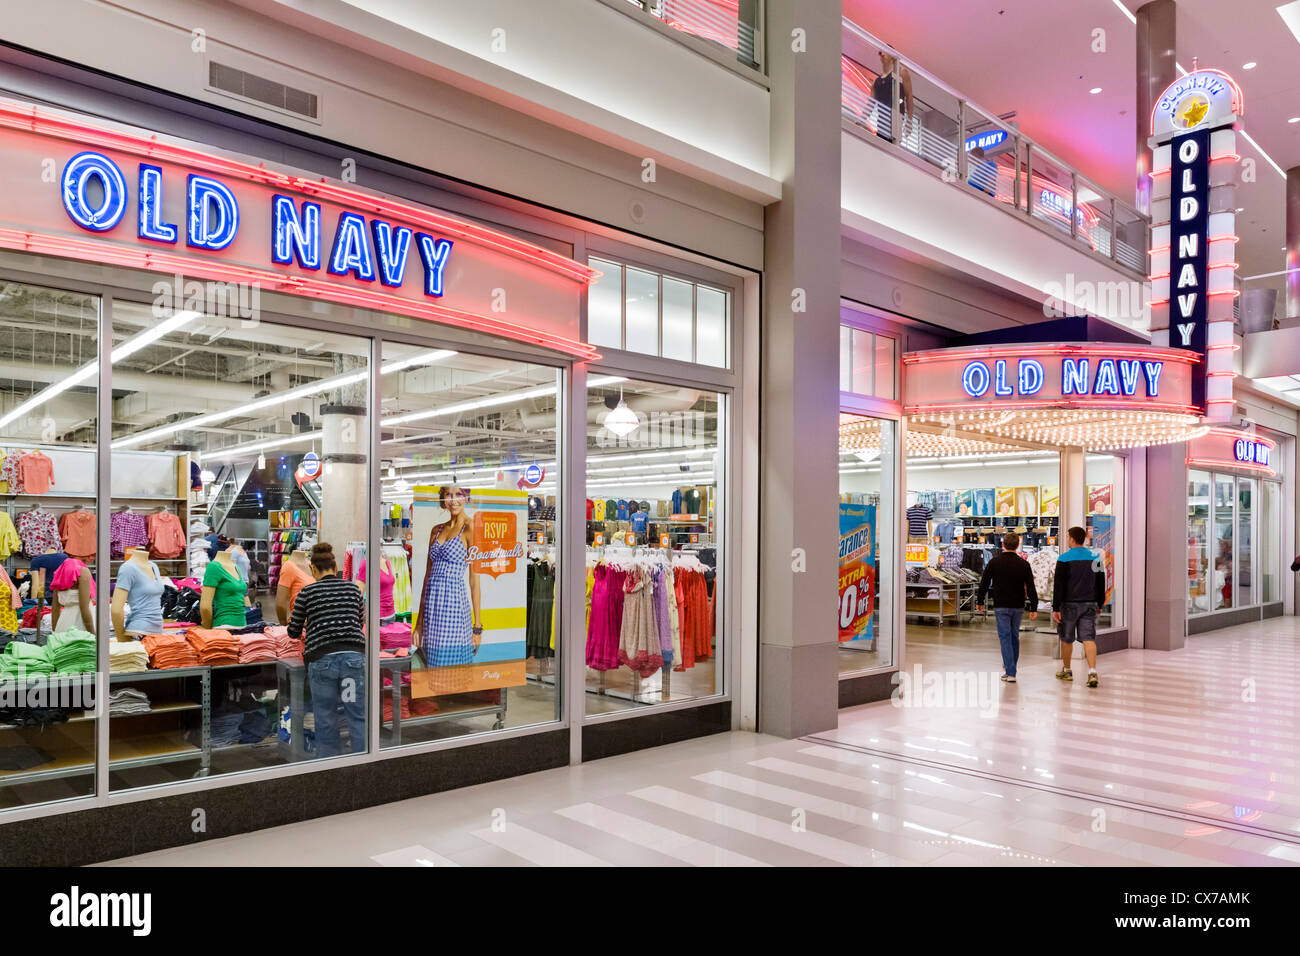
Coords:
pixel 1078 593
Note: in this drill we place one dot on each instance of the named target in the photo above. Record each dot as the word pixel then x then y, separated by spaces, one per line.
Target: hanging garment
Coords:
pixel 401 579
pixel 9 472
pixel 662 618
pixel 541 604
pixel 78 531
pixel 638 646
pixel 606 618
pixel 9 540
pixel 35 473
pixel 39 532
pixel 445 613
pixel 166 537
pixel 125 530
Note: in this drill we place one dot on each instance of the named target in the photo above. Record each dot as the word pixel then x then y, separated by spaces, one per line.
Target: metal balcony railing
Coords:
pixel 733 24
pixel 976 151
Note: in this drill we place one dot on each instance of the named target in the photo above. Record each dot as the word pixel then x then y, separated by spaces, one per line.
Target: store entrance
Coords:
pixel 960 509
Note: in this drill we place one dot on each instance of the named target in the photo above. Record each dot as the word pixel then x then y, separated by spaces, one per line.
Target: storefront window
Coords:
pixel 1223 534
pixel 655 513
pixel 1204 582
pixel 1104 488
pixel 1246 582
pixel 640 310
pixel 1270 533
pixel 867 363
pixel 470 514
pixel 49 412
pixel 868 555
pixel 240 452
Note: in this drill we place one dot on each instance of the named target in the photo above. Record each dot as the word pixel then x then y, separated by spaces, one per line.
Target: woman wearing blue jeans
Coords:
pixel 332 613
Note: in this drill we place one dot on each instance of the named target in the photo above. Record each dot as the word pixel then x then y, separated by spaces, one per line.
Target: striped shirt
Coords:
pixel 333 612
pixel 918 517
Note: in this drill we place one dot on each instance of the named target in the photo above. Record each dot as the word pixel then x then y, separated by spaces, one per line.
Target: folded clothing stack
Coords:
pixel 126 657
pixel 285 646
pixel 396 653
pixel 127 700
pixel 71 652
pixel 256 647
pixel 169 650
pixel 21 660
pixel 214 647
pixel 395 635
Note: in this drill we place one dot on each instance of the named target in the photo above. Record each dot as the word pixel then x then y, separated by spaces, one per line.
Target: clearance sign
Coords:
pixel 94 191
pixel 857 572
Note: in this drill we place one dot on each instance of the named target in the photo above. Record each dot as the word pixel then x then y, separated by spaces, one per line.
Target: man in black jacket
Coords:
pixel 1078 593
pixel 1013 592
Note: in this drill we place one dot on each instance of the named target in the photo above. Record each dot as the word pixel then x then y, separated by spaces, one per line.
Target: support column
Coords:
pixel 344 490
pixel 1157 54
pixel 799 518
pixel 1074 493
pixel 1293 243
pixel 1165 551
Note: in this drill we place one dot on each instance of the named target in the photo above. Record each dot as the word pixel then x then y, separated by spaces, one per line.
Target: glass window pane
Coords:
pixel 1245 595
pixel 275 420
pixel 1199 573
pixel 49 413
pixel 863 362
pixel 712 314
pixel 654 480
pixel 1223 584
pixel 605 305
pixel 868 550
pixel 884 367
pixel 846 358
pixel 481 480
pixel 642 312
pixel 1104 480
pixel 678 334
pixel 1270 530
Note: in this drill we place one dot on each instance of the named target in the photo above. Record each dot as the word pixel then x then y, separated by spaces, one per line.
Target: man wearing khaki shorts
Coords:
pixel 1078 592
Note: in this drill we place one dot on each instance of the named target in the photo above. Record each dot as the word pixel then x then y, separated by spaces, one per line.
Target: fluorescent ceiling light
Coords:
pixel 1290 14
pixel 279 398
pixel 503 399
pixel 261 445
pixel 91 369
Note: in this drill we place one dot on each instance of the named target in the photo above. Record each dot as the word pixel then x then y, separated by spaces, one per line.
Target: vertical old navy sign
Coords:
pixel 1188 279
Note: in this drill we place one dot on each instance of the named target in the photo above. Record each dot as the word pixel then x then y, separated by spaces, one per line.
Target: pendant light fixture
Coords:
pixel 622 421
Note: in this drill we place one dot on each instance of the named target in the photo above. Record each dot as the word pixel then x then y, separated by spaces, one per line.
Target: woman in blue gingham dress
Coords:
pixel 445 613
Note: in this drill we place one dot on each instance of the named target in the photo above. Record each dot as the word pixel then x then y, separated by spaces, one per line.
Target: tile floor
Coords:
pixel 1186 758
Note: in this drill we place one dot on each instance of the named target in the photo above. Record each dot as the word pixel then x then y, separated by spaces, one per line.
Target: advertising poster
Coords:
pixel 499 519
pixel 1103 541
pixel 1099 500
pixel 1005 501
pixel 1027 500
pixel 1049 501
pixel 983 502
pixel 857 572
pixel 965 502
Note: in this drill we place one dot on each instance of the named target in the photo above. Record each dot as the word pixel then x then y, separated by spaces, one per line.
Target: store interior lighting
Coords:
pixel 90 370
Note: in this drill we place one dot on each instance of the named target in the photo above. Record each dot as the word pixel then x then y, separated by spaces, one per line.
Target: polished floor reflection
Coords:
pixel 1186 758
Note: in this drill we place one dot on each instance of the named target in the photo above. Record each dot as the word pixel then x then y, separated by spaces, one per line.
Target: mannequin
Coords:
pixel 295 573
pixel 224 596
pixel 74 591
pixel 43 567
pixel 450 627
pixel 387 579
pixel 140 582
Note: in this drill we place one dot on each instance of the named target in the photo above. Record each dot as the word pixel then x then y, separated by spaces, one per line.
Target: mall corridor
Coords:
pixel 1182 758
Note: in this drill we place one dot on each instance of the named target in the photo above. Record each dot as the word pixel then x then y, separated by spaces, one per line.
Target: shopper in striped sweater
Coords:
pixel 332 611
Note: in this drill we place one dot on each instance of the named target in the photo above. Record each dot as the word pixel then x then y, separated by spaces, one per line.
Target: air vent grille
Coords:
pixel 260 89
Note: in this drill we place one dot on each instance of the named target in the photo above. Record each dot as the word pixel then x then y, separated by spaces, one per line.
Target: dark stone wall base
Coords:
pixel 611 738
pixel 106 833
pixel 1114 641
pixel 1273 610
pixel 866 689
pixel 1201 623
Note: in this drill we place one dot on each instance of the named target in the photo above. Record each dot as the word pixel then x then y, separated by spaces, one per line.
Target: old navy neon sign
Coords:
pixel 94 193
pixel 1117 377
pixel 987 140
pixel 1254 452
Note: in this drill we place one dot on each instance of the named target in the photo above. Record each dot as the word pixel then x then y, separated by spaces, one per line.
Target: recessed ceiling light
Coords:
pixel 1095 90
pixel 1294 119
pixel 1249 66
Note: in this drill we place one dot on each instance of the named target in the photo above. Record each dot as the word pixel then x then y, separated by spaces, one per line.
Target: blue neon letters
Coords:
pixel 95 196
pixel 1254 452
pixel 1109 377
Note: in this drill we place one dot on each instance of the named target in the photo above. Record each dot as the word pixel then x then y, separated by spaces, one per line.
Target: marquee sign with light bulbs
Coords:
pixel 1193 232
